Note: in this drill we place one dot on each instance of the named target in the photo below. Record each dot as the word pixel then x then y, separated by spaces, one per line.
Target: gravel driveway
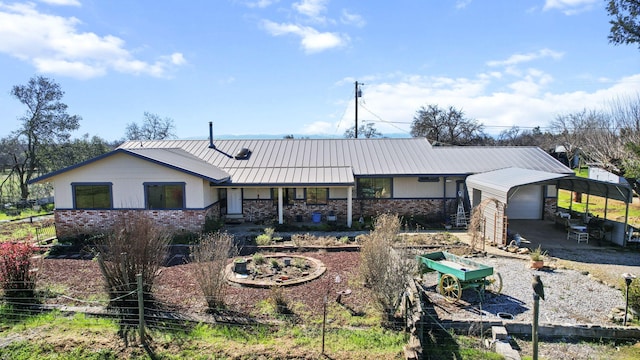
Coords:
pixel 570 296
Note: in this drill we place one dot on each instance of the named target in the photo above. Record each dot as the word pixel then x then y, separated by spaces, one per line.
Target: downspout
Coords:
pixel 349 206
pixel 280 206
pixel 444 199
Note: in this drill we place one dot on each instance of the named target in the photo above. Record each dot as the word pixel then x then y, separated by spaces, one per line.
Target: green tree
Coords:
pixel 625 26
pixel 68 153
pixel 448 127
pixel 153 127
pixel 45 122
pixel 367 131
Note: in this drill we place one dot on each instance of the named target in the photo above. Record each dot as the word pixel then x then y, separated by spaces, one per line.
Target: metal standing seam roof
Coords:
pixel 504 180
pixel 479 159
pixel 327 161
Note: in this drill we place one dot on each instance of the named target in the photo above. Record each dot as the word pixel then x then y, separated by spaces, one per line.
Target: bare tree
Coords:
pixel 449 127
pixel 46 121
pixel 607 138
pixel 367 131
pixel 153 127
pixel 515 136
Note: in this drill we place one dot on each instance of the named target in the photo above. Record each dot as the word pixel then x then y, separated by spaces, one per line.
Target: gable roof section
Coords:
pixel 328 161
pixel 479 159
pixel 366 157
pixel 176 159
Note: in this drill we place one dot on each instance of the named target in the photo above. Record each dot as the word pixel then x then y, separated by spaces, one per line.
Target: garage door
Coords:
pixel 525 203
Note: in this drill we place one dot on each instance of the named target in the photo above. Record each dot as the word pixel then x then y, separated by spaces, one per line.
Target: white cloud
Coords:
pixel 352 19
pixel 62 2
pixel 261 4
pixel 499 101
pixel 461 4
pixel 311 39
pixel 569 7
pixel 521 58
pixel 53 44
pixel 319 127
pixel 310 8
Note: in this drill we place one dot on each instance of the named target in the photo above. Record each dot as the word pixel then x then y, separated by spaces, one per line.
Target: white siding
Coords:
pixel 256 193
pixel 338 193
pixel 210 193
pixel 410 187
pixel 127 174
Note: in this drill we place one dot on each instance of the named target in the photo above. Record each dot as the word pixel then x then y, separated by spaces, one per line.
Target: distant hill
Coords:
pixel 295 136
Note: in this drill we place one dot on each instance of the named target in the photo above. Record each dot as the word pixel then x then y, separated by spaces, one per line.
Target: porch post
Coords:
pixel 349 206
pixel 280 206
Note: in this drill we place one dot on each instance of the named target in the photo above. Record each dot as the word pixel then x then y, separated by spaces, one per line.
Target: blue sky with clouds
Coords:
pixel 256 67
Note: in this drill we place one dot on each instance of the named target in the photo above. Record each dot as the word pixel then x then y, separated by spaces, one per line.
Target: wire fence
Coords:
pixel 128 305
pixel 28 231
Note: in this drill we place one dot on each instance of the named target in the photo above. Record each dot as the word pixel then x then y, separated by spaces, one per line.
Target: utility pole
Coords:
pixel 358 93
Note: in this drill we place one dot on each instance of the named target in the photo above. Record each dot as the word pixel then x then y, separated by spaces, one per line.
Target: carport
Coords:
pixel 510 193
pixel 617 191
pixel 524 194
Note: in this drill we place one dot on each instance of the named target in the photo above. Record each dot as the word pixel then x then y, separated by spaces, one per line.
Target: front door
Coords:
pixel 234 201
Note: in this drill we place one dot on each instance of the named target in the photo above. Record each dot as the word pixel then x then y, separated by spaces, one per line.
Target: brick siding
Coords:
pixel 74 222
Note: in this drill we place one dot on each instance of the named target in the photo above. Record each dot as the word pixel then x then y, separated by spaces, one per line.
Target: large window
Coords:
pixel 92 196
pixel 374 188
pixel 317 196
pixel 288 195
pixel 164 195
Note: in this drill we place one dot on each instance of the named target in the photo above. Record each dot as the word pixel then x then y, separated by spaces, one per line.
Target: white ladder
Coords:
pixel 461 216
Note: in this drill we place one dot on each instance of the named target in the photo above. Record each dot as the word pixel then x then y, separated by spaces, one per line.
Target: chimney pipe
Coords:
pixel 211 146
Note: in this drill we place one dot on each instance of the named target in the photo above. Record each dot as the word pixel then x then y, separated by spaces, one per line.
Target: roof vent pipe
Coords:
pixel 211 146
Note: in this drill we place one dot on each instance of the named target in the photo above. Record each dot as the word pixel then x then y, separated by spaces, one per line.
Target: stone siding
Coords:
pixel 267 210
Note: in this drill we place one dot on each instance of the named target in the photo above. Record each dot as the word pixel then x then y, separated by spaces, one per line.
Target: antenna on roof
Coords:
pixel 211 145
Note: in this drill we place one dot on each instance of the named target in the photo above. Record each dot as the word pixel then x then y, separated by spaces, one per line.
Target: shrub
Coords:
pixel 275 264
pixel 383 268
pixel 16 276
pixel 133 245
pixel 258 259
pixel 210 258
pixel 212 224
pixel 278 300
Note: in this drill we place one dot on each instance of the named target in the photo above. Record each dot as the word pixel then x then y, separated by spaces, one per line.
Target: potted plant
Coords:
pixel 537 258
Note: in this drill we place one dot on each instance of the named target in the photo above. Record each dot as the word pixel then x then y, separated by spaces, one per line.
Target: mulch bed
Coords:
pixel 176 286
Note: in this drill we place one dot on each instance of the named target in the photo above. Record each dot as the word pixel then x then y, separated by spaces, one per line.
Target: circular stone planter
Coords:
pixel 250 279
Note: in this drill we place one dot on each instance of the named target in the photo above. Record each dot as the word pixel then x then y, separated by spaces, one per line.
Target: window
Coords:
pixel 92 196
pixel 164 196
pixel 374 188
pixel 288 196
pixel 317 196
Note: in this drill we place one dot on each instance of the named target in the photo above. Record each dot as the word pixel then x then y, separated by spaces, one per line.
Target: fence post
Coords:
pixel 140 309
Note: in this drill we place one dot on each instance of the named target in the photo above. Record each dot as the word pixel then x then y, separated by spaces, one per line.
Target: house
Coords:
pixel 182 182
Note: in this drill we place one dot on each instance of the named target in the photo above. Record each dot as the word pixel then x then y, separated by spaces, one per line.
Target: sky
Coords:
pixel 277 67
